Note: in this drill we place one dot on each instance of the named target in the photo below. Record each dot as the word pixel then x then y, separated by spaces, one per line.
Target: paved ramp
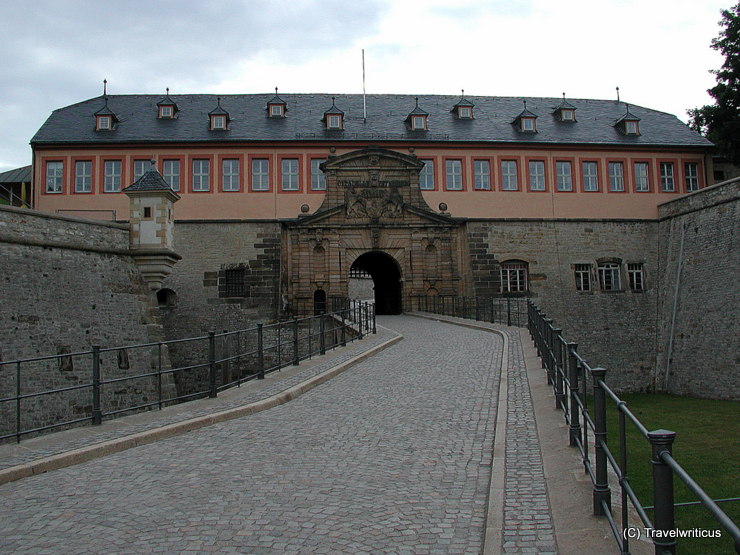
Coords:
pixel 392 456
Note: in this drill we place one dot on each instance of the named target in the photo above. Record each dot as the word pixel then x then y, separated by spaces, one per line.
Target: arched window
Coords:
pixel 319 302
pixel 514 276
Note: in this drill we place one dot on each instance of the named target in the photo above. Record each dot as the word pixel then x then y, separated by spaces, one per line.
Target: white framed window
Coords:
pixel 691 169
pixel 171 173
pixel 636 276
pixel 583 277
pixel 509 178
pixel 230 174
pixel 201 174
pixel 218 122
pixel 426 176
pixel 482 175
pixel 513 277
pixel 609 276
pixel 140 168
pixel 333 122
pixel 83 176
pixel 112 176
pixel 631 128
pixel 165 111
pixel 616 177
pixel 54 176
pixel 527 124
pixel 318 179
pixel 667 180
pixel 590 176
pixel 260 174
pixel 289 178
pixel 642 177
pixel 536 175
pixel 104 123
pixel 567 115
pixel 453 175
pixel 464 112
pixel 276 110
pixel 418 122
pixel 564 175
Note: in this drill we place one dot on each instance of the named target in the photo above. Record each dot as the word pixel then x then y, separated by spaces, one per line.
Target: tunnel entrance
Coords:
pixel 386 276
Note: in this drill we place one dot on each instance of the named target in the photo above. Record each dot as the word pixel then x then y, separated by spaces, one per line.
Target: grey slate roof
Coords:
pixel 386 115
pixel 150 181
pixel 18 175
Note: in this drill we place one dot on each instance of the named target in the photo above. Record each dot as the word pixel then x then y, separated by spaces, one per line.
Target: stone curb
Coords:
pixel 84 454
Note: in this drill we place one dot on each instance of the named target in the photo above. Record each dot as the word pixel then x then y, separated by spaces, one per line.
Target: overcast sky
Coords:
pixel 57 52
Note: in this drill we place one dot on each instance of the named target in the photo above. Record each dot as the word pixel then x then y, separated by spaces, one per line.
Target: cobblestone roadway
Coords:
pixel 392 456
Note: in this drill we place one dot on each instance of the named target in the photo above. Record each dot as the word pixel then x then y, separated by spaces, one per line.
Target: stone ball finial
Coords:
pixel 443 207
pixel 305 208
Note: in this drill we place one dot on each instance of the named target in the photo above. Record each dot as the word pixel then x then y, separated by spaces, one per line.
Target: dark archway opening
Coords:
pixel 319 302
pixel 386 280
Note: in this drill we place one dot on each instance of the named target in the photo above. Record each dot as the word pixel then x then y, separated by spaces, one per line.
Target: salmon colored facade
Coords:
pixel 466 201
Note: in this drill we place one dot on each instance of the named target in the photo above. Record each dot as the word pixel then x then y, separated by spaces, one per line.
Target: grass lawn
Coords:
pixel 707 446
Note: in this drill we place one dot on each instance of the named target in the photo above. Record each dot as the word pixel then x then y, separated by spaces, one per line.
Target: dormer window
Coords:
pixel 334 122
pixel 276 107
pixel 526 122
pixel 334 117
pixel 628 124
pixel 418 118
pixel 565 111
pixel 167 109
pixel 105 119
pixel 219 118
pixel 464 108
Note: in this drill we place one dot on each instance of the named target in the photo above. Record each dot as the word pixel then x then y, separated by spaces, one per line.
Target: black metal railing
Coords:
pixel 101 382
pixel 511 311
pixel 569 374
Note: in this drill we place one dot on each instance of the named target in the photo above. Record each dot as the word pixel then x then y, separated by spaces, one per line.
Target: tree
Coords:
pixel 720 122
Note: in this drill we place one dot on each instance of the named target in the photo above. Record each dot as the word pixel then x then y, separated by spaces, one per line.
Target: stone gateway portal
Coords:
pixel 375 219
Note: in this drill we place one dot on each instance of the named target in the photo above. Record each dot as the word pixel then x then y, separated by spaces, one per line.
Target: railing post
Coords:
pixel 359 320
pixel 159 374
pixel 558 352
pixel 97 414
pixel 662 442
pixel 547 333
pixel 18 402
pixel 295 341
pixel 344 327
pixel 508 311
pixel 260 352
pixel 322 339
pixel 575 419
pixel 212 391
pixel 602 495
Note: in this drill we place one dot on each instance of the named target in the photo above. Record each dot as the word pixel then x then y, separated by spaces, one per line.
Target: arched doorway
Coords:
pixel 319 302
pixel 386 280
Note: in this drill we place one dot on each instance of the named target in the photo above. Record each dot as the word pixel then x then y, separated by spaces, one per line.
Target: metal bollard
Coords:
pixel 661 442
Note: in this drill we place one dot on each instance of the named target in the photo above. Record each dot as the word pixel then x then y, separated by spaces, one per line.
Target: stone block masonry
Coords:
pixel 614 328
pixel 68 284
pixel 698 340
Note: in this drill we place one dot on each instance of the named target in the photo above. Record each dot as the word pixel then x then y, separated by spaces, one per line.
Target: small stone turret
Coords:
pixel 152 226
